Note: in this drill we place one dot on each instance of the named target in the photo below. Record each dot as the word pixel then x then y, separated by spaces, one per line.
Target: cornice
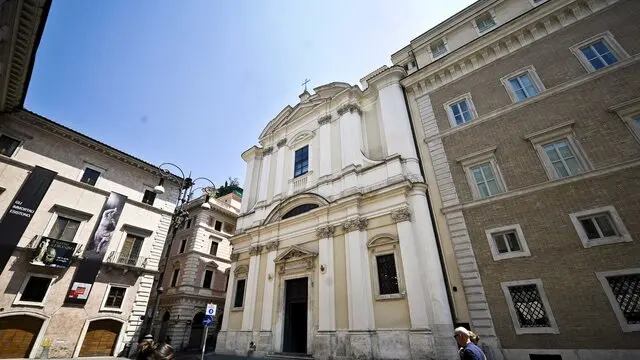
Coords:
pixel 530 27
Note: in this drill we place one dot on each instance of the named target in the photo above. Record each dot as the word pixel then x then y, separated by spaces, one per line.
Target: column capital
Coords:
pixel 281 143
pixel 349 108
pixel 272 245
pixel 325 119
pixel 359 224
pixel 325 231
pixel 401 215
pixel 234 256
pixel 267 151
pixel 255 250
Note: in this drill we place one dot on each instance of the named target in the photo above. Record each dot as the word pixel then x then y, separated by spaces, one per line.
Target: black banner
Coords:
pixel 24 205
pixel 96 248
pixel 55 253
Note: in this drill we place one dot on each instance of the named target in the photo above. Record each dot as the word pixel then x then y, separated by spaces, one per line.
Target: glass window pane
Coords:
pixel 610 58
pixel 597 63
pixel 501 245
pixel 531 90
pixel 477 175
pixel 463 105
pixel 8 145
pixel 36 289
pixel 515 85
pixel 482 189
pixel 512 238
pixel 525 80
pixel 487 170
pixel 239 298
pixel 70 230
pixel 551 152
pixel 459 119
pixel 600 47
pixel 493 187
pixel 467 116
pixel 90 176
pixel 589 53
pixel 520 94
pixel 636 120
pixel 455 110
pixel 561 170
pixel 574 166
pixel 58 228
pixel 606 227
pixel 387 275
pixel 589 228
pixel 564 149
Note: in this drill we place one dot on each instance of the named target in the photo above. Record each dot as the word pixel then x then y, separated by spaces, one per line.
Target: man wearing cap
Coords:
pixel 468 351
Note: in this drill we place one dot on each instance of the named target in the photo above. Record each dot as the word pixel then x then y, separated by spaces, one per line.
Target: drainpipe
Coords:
pixel 433 219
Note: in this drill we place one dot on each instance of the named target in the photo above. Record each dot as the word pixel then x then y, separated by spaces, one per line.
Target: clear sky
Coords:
pixel 194 82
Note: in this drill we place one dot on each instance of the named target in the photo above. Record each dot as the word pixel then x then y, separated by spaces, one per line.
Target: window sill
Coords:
pixel 511 255
pixel 539 330
pixel 111 310
pixel 28 303
pixel 237 309
pixel 391 297
pixel 588 243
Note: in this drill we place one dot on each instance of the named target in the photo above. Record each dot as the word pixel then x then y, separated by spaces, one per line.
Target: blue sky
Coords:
pixel 194 82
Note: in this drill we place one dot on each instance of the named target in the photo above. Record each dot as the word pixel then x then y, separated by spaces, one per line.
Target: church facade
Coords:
pixel 335 255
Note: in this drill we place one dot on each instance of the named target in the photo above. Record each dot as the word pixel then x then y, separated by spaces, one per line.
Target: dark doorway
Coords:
pixel 197 331
pixel 295 316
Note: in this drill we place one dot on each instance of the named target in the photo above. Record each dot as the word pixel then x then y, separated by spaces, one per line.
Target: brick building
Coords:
pixel 527 116
pixel 197 271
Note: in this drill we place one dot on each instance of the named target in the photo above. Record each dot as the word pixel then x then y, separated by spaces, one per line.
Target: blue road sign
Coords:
pixel 207 321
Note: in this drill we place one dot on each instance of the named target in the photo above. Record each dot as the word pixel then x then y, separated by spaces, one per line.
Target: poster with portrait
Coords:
pixel 54 253
pixel 95 250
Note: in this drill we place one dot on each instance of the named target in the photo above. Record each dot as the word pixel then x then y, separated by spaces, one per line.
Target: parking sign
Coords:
pixel 211 309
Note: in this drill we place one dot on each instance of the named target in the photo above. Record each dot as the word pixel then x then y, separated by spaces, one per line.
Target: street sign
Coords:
pixel 207 321
pixel 211 309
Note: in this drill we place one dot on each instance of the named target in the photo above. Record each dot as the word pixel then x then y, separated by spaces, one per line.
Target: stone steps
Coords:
pixel 289 356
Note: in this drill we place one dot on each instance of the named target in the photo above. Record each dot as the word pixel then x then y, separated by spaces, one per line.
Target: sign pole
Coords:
pixel 204 343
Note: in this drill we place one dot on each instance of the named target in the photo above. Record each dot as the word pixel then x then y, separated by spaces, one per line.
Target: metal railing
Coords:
pixel 125 259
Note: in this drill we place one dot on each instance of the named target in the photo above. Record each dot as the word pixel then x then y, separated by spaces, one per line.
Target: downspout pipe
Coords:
pixel 433 219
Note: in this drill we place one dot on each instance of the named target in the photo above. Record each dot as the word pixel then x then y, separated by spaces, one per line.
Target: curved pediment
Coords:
pixel 293 202
pixel 304 135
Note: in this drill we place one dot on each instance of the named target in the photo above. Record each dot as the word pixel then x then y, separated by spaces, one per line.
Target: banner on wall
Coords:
pixel 21 210
pixel 55 253
pixel 96 248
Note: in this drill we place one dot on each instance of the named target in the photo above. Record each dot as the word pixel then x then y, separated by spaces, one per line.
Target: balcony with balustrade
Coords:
pixel 126 262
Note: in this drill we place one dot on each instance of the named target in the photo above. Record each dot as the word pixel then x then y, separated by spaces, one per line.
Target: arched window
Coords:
pixel 300 209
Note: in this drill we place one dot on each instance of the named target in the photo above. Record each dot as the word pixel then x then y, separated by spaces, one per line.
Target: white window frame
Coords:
pixel 623 233
pixel 537 4
pixel 54 218
pixel 293 160
pixel 533 75
pixel 20 142
pixel 386 245
pixel 557 133
pixel 213 276
pixel 239 276
pixel 479 158
pixel 524 248
pixel 553 326
pixel 104 308
pixel 491 13
pixel 446 46
pixel 41 304
pixel 626 111
pixel 608 39
pixel 92 167
pixel 466 97
pixel 150 188
pixel 602 277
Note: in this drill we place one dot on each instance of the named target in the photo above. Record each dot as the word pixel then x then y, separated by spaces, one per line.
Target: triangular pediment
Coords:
pixel 294 253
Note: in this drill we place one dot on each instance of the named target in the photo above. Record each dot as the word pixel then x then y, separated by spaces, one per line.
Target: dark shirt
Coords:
pixel 472 352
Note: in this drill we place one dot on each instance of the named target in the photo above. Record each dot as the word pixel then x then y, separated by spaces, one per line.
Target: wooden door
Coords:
pixel 18 335
pixel 101 338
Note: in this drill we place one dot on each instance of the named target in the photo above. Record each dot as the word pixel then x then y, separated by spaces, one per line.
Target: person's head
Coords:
pixel 461 335
pixel 149 350
pixel 474 338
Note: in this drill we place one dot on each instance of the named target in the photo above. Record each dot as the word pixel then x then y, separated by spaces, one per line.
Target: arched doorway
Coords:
pixel 197 331
pixel 164 326
pixel 101 338
pixel 18 335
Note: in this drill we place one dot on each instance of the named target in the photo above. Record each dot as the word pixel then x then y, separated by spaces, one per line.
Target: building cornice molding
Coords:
pixel 510 37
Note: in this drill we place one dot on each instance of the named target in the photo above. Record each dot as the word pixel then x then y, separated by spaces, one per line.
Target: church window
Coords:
pixel 387 274
pixel 238 301
pixel 301 165
pixel 298 210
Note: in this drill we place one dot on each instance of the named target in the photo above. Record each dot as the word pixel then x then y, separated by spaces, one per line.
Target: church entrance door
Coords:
pixel 295 316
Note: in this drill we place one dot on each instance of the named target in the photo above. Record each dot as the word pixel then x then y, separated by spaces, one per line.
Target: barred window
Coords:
pixel 626 289
pixel 529 307
pixel 387 274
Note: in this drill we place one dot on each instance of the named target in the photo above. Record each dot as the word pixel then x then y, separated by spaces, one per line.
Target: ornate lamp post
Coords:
pixel 179 217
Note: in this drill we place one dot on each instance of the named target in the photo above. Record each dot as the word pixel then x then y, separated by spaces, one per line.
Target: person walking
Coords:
pixel 468 350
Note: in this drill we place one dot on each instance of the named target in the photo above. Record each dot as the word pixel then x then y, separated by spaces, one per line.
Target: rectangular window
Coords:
pixel 35 289
pixel 636 121
pixel 115 297
pixel 183 245
pixel 64 229
pixel 149 197
pixel 601 226
pixel 210 220
pixel 529 307
pixel 438 48
pixel 301 164
pixel 485 23
pixel 523 87
pixel 188 223
pixel 214 248
pixel 8 145
pixel 622 288
pixel 131 250
pixel 485 180
pixel 387 274
pixel 218 226
pixel 598 226
pixel 599 54
pixel 507 242
pixel 90 176
pixel 238 301
pixel 563 159
pixel 174 278
pixel 461 112
pixel 208 276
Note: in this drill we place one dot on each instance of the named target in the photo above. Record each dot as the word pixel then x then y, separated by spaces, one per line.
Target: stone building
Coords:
pixel 335 255
pixel 197 271
pixel 527 119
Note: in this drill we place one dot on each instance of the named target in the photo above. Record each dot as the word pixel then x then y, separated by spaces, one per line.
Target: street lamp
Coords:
pixel 179 217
